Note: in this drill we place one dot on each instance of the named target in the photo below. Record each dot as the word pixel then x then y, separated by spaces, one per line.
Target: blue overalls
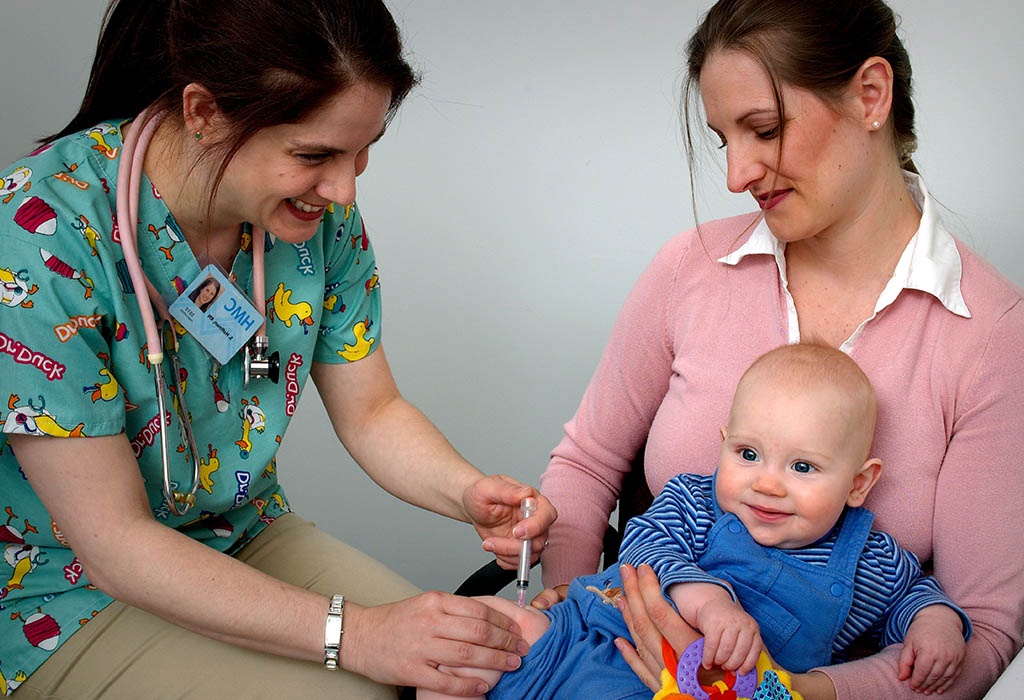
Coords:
pixel 577 658
pixel 800 607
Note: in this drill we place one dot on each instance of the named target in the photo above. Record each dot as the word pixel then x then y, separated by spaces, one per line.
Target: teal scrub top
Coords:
pixel 73 364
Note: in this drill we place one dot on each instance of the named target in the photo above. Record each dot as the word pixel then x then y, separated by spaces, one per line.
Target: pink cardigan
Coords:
pixel 950 429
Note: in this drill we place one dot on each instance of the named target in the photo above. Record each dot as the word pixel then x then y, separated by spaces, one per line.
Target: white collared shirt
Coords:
pixel 930 263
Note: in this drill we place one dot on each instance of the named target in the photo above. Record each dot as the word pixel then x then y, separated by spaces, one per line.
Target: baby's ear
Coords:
pixel 863 481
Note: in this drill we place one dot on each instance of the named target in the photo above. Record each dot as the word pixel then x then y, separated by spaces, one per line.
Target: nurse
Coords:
pixel 271 109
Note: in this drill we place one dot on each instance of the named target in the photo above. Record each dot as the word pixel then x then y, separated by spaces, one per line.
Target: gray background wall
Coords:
pixel 519 193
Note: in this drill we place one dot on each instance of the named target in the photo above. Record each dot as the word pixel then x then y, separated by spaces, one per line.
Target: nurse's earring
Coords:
pixel 199 134
pixel 874 125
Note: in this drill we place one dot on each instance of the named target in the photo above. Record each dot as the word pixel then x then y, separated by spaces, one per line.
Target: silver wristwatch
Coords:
pixel 333 631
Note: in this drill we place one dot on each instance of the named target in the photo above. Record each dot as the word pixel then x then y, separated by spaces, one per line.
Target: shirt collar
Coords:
pixel 930 262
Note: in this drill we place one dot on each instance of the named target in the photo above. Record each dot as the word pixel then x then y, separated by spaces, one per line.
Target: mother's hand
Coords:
pixel 403 643
pixel 492 504
pixel 549 596
pixel 649 618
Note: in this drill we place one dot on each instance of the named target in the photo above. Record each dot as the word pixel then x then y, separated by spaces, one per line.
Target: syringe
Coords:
pixel 526 509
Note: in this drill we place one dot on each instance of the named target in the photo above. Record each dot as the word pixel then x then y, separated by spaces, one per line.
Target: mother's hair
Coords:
pixel 815 45
pixel 265 62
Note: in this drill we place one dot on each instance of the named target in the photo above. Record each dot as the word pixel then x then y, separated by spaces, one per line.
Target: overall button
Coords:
pixel 837 589
pixel 735 527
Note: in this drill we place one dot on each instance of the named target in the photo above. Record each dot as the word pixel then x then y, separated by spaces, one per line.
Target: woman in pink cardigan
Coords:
pixel 811 100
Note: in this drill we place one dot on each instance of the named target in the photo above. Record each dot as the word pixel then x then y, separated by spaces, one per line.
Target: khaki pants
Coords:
pixel 124 653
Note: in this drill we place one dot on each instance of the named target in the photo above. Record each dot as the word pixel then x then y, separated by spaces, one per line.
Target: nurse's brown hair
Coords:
pixel 265 62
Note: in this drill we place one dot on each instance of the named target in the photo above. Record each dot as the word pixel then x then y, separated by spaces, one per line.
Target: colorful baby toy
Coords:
pixel 763 683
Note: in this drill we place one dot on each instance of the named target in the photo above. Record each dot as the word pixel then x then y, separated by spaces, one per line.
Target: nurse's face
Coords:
pixel 206 293
pixel 283 178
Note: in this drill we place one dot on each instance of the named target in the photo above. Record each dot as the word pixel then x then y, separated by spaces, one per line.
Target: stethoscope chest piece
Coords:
pixel 257 364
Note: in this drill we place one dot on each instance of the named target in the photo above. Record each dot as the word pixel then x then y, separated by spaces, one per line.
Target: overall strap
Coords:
pixel 854 528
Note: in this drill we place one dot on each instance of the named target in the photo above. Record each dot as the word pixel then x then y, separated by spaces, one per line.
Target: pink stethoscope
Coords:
pixel 256 362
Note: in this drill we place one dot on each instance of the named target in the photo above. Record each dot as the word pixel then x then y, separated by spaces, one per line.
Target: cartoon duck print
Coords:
pixel 12 535
pixel 90 234
pixel 33 420
pixel 222 401
pixel 362 346
pixel 107 390
pixel 98 134
pixel 271 468
pixel 173 232
pixel 65 176
pixel 217 524
pixel 261 505
pixel 361 240
pixel 19 179
pixel 14 289
pixel 283 308
pixel 332 300
pixel 253 418
pixel 23 558
pixel 58 266
pixel 372 283
pixel 9 686
pixel 206 469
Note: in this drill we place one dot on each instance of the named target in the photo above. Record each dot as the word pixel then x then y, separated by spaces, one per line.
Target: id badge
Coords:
pixel 216 313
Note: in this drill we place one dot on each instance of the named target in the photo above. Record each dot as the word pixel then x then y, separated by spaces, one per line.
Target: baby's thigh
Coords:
pixel 531 621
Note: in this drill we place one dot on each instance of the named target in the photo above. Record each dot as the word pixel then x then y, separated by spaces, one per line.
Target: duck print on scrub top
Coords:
pixel 74 360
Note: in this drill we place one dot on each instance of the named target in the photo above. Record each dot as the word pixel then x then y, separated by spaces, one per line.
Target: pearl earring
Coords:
pixel 874 125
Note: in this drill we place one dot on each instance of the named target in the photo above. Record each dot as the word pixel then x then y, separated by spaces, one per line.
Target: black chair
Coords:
pixel 634 499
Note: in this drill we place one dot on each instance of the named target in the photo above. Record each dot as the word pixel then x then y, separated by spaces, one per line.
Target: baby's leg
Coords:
pixel 533 624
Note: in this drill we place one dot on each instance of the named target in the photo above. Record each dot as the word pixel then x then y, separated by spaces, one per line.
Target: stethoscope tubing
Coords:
pixel 129 178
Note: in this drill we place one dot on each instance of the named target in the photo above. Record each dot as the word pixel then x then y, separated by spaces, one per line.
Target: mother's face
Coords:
pixel 821 182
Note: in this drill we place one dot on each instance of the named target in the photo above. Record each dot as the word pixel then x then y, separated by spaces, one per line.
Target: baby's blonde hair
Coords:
pixel 811 366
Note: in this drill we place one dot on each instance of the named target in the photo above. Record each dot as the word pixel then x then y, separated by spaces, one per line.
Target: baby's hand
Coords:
pixel 732 638
pixel 934 648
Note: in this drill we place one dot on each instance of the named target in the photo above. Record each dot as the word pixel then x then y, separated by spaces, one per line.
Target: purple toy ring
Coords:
pixel 686 675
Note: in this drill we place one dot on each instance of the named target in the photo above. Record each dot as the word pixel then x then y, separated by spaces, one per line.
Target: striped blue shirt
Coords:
pixel 889 586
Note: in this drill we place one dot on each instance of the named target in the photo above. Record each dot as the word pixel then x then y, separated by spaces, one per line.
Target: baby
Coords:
pixel 774 547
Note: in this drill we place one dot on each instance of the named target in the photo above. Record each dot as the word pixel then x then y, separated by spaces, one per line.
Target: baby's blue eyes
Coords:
pixel 803 467
pixel 800 467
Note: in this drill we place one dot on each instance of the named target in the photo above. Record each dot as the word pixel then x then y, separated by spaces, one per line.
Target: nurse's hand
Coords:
pixel 492 504
pixel 403 643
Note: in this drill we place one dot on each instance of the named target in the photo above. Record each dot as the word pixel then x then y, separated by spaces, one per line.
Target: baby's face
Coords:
pixel 788 462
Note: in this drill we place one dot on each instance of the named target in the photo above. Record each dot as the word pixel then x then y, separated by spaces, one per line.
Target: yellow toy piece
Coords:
pixel 773 683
